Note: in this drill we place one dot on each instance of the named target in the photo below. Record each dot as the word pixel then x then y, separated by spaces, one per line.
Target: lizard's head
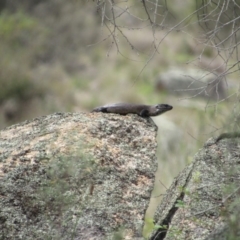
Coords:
pixel 162 108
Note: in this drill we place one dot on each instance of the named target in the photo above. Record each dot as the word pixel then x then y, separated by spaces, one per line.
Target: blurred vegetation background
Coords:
pixel 58 56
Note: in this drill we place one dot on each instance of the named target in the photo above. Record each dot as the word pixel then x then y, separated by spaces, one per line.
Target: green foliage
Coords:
pixel 18 86
pixel 150 226
pixel 17 50
pixel 162 227
pixel 64 176
pixel 180 204
pixel 196 177
pixel 55 191
pixel 15 27
pixel 184 190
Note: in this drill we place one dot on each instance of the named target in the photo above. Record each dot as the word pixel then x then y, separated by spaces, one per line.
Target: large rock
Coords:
pixel 203 201
pixel 76 176
pixel 192 83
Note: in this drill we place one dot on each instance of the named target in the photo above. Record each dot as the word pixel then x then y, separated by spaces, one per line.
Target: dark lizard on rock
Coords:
pixel 139 109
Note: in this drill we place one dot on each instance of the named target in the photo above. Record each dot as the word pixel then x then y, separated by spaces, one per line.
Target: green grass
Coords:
pixel 13 24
